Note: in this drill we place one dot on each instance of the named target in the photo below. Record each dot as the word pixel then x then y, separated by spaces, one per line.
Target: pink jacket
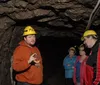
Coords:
pixel 82 72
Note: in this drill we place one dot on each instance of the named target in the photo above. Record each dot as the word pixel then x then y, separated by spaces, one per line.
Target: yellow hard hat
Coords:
pixel 87 33
pixel 72 48
pixel 29 31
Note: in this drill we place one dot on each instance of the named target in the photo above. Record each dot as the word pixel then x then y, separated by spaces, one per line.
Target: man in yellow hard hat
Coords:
pixel 27 60
pixel 90 39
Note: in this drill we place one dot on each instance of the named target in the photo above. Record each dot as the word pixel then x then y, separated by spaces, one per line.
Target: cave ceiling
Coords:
pixel 57 18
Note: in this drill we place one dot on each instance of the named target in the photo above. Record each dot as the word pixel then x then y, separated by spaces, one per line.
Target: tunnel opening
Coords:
pixel 53 51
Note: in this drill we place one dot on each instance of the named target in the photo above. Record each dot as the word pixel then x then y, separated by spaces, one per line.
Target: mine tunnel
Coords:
pixel 53 48
pixel 57 48
pixel 59 25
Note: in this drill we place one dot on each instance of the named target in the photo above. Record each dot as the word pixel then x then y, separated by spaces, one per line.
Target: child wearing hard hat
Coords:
pixel 27 60
pixel 90 39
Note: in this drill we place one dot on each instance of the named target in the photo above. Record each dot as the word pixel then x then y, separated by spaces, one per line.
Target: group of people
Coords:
pixel 79 70
pixel 75 66
pixel 84 69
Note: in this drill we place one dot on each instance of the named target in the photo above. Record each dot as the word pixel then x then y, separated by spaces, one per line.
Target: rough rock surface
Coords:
pixel 56 18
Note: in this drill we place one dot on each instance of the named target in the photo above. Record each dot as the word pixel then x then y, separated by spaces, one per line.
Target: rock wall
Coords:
pixel 56 18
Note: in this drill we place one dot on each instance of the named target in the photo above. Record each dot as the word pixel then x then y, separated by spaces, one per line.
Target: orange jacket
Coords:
pixel 27 73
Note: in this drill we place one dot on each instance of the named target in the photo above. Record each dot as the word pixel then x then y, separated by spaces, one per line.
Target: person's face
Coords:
pixel 71 53
pixel 30 39
pixel 88 42
pixel 81 51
